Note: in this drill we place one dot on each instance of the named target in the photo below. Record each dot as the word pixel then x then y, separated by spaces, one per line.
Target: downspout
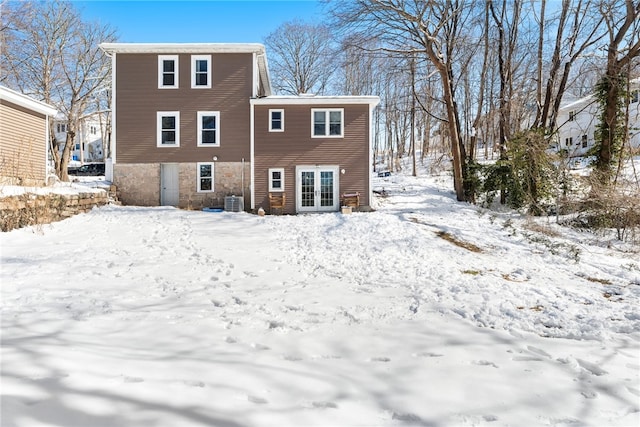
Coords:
pixel 252 158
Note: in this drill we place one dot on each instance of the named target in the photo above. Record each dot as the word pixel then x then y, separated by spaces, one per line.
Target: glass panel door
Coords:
pixel 308 184
pixel 317 188
pixel 326 189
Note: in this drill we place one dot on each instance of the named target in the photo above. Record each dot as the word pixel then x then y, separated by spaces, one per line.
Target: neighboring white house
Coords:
pixel 578 119
pixel 88 141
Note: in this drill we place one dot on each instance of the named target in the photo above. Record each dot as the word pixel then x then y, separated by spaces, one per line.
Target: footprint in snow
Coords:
pixel 380 359
pixel 259 346
pixel 194 383
pixel 484 363
pixel 128 379
pixel 257 400
pixel 589 394
pixel 324 405
pixel 427 354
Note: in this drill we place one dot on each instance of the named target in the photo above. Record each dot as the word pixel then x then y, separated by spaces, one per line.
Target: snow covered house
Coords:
pixel 196 124
pixel 578 119
pixel 24 139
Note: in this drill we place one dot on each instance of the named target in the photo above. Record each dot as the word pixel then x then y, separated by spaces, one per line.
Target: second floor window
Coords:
pixel 572 116
pixel 61 127
pixel 201 71
pixel 568 142
pixel 208 128
pixel 276 120
pixel 327 123
pixel 585 141
pixel 168 71
pixel 168 129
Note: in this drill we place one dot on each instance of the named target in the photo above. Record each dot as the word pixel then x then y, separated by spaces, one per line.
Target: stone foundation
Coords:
pixel 139 184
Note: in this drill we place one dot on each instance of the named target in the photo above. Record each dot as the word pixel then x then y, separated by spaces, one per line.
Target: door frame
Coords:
pixel 165 198
pixel 317 169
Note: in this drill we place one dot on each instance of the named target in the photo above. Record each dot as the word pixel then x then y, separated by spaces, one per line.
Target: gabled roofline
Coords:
pixel 27 102
pixel 316 100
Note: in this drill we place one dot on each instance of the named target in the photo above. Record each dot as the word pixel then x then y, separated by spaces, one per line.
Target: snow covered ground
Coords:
pixel 427 312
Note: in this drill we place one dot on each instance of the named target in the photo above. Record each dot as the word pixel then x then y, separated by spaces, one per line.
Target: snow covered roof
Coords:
pixel 306 99
pixel 26 101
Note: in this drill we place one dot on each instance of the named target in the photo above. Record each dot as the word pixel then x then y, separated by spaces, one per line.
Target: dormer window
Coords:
pixel 200 71
pixel 168 71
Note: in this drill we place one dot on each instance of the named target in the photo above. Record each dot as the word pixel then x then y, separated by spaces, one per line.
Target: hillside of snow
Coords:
pixel 426 312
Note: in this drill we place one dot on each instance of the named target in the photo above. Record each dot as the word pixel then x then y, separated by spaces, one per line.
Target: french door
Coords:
pixel 317 188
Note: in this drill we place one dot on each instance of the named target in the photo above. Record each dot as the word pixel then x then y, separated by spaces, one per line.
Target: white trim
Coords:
pixel 252 156
pixel 202 114
pixel 183 48
pixel 276 110
pixel 370 155
pixel 254 75
pixel 176 71
pixel 198 177
pixel 271 188
pixel 27 102
pixel 113 110
pixel 316 100
pixel 206 58
pixel 159 116
pixel 327 117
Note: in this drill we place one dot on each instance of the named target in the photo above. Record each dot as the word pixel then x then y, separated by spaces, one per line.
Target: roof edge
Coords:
pixel 317 100
pixel 27 102
pixel 182 47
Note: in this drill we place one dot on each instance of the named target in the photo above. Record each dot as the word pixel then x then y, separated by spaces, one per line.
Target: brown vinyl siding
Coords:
pixel 23 144
pixel 295 147
pixel 138 99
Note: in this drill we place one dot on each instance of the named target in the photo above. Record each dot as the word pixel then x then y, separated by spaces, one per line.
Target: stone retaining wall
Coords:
pixel 32 209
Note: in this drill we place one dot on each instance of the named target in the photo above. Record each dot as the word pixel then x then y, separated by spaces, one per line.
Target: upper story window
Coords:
pixel 200 71
pixel 93 130
pixel 208 128
pixel 635 96
pixel 205 177
pixel 168 129
pixel 327 123
pixel 61 127
pixel 585 141
pixel 572 115
pixel 568 142
pixel 276 179
pixel 276 120
pixel 168 71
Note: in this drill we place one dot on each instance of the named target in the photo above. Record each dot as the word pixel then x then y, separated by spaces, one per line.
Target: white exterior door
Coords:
pixel 169 187
pixel 317 188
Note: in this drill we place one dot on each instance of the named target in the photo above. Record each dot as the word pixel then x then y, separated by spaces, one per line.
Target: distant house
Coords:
pixel 578 120
pixel 24 139
pixel 194 124
pixel 88 142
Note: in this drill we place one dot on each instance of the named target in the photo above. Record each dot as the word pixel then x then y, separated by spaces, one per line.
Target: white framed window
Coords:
pixel 200 71
pixel 276 120
pixel 61 127
pixel 327 123
pixel 276 179
pixel 168 129
pixel 208 128
pixel 635 96
pixel 568 142
pixel 572 115
pixel 205 177
pixel 585 141
pixel 167 71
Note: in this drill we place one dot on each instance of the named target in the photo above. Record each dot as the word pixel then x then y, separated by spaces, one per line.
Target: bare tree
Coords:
pixel 301 58
pixel 623 31
pixel 50 53
pixel 415 27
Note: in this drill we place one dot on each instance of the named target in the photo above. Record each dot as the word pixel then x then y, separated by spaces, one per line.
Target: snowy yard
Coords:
pixel 426 312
